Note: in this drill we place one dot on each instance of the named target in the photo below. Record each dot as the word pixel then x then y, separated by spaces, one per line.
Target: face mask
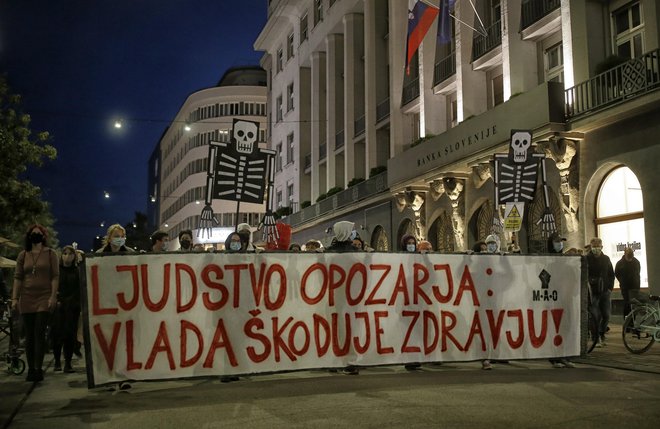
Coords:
pixel 492 247
pixel 185 244
pixel 118 241
pixel 165 247
pixel 558 246
pixel 235 245
pixel 410 247
pixel 36 237
pixel 353 234
pixel 596 251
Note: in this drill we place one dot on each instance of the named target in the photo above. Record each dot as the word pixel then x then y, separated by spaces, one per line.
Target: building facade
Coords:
pixel 178 168
pixel 399 151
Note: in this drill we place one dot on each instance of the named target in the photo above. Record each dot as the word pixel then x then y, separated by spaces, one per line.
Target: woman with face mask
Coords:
pixel 36 281
pixel 115 240
pixel 234 243
pixel 408 243
pixel 65 326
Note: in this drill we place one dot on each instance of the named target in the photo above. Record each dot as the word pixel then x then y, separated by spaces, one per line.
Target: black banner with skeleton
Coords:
pixel 237 171
pixel 516 176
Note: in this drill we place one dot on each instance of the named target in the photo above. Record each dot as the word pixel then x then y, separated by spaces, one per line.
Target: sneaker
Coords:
pixel 567 363
pixel 557 364
pixel 57 367
pixel 350 370
pixel 599 344
pixel 485 364
pixel 124 385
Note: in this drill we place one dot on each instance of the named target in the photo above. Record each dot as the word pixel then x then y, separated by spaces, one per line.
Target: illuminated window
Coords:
pixel 554 63
pixel 620 217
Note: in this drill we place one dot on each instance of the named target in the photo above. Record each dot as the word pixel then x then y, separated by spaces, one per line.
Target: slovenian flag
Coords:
pixel 444 25
pixel 420 18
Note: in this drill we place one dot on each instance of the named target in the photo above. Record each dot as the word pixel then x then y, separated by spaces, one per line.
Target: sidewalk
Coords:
pixel 615 355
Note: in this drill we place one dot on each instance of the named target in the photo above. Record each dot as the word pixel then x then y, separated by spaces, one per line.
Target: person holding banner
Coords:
pixel 235 244
pixel 159 241
pixel 342 242
pixel 409 245
pixel 115 240
pixel 65 328
pixel 185 240
pixel 36 281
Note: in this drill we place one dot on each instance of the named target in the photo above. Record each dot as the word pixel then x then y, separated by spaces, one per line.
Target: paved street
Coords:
pixel 598 393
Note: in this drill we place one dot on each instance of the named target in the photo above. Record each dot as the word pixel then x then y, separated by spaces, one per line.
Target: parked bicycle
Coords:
pixel 641 328
pixel 15 365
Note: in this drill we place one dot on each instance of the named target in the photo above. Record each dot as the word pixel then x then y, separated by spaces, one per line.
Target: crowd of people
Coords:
pixel 46 289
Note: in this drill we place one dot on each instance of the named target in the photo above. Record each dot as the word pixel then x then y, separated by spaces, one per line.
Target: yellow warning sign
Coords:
pixel 513 214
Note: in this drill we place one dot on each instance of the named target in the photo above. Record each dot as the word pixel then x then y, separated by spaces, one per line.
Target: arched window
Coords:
pixel 620 217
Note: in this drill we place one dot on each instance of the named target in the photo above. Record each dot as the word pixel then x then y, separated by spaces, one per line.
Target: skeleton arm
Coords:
pixel 207 217
pixel 547 221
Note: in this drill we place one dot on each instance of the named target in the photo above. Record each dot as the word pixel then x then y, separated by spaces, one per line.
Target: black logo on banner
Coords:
pixel 544 294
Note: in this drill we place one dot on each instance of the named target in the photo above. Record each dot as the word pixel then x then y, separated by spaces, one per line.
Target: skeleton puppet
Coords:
pixel 236 172
pixel 516 176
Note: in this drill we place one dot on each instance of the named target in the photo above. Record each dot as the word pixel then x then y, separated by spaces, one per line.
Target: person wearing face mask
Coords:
pixel 234 243
pixel 601 283
pixel 408 244
pixel 627 272
pixel 159 241
pixel 115 240
pixel 185 240
pixel 245 231
pixel 36 281
pixel 492 244
pixel 65 328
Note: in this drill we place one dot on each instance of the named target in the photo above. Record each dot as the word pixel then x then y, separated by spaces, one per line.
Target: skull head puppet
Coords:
pixel 245 135
pixel 521 141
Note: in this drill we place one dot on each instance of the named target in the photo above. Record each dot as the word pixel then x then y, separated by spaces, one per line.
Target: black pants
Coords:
pixel 65 330
pixel 34 325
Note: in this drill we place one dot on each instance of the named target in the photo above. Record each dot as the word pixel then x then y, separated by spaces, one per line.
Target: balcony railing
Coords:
pixel 630 79
pixel 481 45
pixel 368 188
pixel 444 69
pixel 411 91
pixel 339 140
pixel 534 10
pixel 359 126
pixel 323 151
pixel 383 110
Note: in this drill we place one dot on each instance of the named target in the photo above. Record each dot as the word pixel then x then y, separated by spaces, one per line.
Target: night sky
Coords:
pixel 81 64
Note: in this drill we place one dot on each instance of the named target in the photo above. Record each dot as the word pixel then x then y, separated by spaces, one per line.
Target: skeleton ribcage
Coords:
pixel 240 177
pixel 517 182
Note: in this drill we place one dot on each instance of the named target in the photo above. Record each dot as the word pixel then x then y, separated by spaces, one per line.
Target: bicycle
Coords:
pixel 15 365
pixel 641 327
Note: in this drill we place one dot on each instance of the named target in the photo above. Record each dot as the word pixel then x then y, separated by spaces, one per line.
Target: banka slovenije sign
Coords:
pixel 164 316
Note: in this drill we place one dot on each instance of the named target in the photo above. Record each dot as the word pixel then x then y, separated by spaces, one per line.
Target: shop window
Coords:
pixel 620 217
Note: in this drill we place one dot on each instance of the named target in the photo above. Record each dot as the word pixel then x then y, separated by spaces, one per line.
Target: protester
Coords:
pixel 343 243
pixel 115 240
pixel 199 247
pixel 294 247
pixel 358 243
pixel 424 246
pixel 601 283
pixel 408 243
pixel 313 246
pixel 36 280
pixel 492 244
pixel 185 240
pixel 65 328
pixel 159 241
pixel 555 246
pixel 235 244
pixel 245 231
pixel 627 272
pixel 480 247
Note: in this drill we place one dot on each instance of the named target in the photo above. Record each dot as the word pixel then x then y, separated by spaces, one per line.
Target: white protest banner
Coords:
pixel 160 316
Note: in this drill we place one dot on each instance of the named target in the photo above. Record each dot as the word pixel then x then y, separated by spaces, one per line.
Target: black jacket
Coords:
pixel 627 273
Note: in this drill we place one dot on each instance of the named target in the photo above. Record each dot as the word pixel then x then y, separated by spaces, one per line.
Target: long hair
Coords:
pixel 111 229
pixel 75 255
pixel 42 229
